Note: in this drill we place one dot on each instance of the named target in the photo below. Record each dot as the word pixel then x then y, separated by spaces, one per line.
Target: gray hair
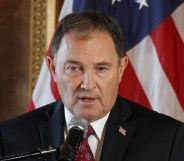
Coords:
pixel 86 22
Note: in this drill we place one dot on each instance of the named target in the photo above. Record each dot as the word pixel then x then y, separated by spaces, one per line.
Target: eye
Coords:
pixel 102 69
pixel 72 68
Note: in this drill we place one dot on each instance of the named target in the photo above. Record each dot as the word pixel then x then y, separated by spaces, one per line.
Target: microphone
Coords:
pixel 67 151
pixel 77 128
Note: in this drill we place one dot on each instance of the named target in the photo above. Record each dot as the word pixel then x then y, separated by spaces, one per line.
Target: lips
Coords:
pixel 87 98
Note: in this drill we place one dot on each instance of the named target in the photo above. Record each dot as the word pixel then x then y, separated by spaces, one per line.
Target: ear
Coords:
pixel 51 65
pixel 122 67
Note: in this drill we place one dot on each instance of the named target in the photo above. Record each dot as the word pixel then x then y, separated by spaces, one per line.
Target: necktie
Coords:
pixel 84 152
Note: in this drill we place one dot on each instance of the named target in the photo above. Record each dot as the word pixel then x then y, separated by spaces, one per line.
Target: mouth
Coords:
pixel 86 99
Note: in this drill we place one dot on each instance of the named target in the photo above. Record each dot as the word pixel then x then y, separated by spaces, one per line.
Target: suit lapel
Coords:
pixel 119 132
pixel 52 131
pixel 115 141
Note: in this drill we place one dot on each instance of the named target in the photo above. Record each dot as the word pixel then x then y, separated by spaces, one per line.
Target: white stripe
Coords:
pixel 66 8
pixel 42 94
pixel 160 93
pixel 178 17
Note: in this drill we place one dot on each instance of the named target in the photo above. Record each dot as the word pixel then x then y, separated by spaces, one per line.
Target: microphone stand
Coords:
pixel 35 154
pixel 64 153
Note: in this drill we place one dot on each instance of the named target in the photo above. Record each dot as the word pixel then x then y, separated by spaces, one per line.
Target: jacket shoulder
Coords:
pixel 147 116
pixel 31 118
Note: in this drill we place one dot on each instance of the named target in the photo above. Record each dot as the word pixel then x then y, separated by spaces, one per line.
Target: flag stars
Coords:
pixel 142 3
pixel 113 1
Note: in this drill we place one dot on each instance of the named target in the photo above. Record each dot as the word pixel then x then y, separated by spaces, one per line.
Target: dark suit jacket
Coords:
pixel 149 136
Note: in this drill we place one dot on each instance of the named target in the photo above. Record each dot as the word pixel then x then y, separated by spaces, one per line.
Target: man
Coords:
pixel 87 64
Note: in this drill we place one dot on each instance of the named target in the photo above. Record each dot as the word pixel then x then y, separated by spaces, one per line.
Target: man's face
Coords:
pixel 88 72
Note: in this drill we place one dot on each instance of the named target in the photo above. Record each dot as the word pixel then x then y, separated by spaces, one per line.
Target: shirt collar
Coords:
pixel 97 125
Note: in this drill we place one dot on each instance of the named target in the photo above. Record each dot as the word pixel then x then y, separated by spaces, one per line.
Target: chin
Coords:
pixel 87 116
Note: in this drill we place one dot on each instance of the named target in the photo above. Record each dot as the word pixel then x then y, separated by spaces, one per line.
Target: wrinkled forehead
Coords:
pixel 91 40
pixel 95 46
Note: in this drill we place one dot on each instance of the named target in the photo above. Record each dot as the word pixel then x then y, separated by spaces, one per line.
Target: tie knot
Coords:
pixel 89 132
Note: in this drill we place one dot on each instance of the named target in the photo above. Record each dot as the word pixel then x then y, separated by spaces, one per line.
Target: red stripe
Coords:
pixel 49 51
pixel 170 50
pixel 31 106
pixel 131 89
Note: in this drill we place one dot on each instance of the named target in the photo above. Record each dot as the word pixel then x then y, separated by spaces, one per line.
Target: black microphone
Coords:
pixel 67 152
pixel 77 128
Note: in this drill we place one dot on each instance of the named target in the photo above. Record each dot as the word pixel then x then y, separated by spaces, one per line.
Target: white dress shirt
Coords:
pixel 95 141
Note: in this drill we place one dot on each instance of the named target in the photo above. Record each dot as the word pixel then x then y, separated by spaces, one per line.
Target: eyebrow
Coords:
pixel 104 64
pixel 73 62
pixel 70 61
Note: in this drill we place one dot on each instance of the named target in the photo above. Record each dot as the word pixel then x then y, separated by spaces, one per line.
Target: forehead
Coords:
pixel 93 46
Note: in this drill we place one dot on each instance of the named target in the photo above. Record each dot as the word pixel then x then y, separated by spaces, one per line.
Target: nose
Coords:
pixel 88 82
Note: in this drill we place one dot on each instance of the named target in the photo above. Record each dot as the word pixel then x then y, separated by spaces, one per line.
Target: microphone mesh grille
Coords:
pixel 82 123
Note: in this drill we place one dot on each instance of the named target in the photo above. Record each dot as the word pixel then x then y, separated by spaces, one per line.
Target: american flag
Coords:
pixel 122 131
pixel 153 32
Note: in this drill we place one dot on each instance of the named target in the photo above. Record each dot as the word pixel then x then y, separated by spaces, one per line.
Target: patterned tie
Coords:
pixel 84 152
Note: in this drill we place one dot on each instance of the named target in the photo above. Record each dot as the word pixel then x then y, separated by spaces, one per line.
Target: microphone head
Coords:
pixel 77 128
pixel 80 123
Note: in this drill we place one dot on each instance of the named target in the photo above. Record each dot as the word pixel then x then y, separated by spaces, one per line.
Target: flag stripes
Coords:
pixel 167 41
pixel 44 96
pixel 130 83
pixel 179 22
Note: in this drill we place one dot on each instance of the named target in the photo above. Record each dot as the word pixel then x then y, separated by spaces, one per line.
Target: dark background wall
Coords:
pixel 14 57
pixel 19 22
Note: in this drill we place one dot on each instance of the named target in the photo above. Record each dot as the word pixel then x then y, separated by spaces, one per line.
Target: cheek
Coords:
pixel 67 85
pixel 110 89
pixel 111 82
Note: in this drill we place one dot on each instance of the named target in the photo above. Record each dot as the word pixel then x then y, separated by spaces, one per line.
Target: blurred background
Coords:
pixel 26 28
pixel 153 30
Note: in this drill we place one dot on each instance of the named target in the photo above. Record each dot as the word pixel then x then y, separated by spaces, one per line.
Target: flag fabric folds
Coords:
pixel 153 32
